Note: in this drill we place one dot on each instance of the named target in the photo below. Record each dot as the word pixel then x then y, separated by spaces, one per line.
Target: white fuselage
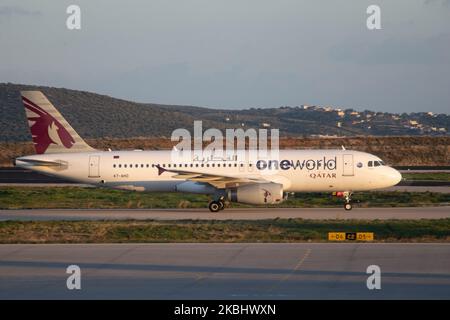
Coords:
pixel 296 170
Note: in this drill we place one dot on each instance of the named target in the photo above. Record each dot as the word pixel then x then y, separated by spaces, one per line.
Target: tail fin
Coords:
pixel 51 133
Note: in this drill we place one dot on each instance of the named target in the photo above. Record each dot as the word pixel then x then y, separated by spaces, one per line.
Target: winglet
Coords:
pixel 161 170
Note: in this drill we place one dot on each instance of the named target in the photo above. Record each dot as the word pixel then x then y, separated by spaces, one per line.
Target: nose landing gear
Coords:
pixel 348 201
pixel 347 197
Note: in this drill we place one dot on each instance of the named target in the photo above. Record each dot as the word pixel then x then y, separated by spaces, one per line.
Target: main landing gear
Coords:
pixel 217 205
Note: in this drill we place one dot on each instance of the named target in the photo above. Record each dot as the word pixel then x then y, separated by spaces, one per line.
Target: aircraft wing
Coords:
pixel 218 181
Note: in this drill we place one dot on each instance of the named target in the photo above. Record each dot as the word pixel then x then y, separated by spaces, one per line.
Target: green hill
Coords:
pixel 100 116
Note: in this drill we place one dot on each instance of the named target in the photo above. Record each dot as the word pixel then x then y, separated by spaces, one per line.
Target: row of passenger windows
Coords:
pixel 224 165
pixel 191 165
pixel 375 163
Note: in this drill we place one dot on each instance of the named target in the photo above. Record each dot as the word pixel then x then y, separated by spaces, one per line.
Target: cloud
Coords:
pixel 10 11
pixel 442 2
pixel 427 50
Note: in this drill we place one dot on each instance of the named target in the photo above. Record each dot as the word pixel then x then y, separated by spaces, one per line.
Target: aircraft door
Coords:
pixel 94 166
pixel 348 165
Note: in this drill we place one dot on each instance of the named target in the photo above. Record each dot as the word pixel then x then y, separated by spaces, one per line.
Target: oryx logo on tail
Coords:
pixel 45 129
pixel 51 133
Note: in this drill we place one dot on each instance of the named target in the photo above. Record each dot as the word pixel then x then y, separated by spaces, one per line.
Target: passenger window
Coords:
pixel 124 165
pixel 114 165
pixel 120 166
pixel 359 165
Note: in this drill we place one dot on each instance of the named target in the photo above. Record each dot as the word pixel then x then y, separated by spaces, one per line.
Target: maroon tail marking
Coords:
pixel 39 129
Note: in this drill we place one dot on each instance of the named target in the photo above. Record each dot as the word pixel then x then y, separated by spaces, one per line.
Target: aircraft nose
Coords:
pixel 394 176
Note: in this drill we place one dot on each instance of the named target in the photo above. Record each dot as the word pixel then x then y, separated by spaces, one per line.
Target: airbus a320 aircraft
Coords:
pixel 61 152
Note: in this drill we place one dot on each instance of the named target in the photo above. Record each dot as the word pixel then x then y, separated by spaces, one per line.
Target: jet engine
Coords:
pixel 257 193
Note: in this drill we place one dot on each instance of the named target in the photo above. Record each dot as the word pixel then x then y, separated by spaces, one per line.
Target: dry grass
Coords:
pixel 276 230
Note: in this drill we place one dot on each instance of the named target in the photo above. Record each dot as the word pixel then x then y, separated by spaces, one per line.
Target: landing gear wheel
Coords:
pixel 348 200
pixel 214 206
pixel 221 205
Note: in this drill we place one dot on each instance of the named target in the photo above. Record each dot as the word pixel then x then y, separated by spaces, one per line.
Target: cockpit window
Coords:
pixel 375 163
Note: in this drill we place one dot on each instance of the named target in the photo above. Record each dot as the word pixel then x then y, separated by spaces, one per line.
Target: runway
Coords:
pixel 227 214
pixel 226 271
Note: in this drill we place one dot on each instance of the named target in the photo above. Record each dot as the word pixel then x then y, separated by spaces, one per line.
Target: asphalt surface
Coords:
pixel 227 214
pixel 20 175
pixel 226 271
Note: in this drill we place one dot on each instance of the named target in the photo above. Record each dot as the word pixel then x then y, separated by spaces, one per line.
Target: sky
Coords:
pixel 236 53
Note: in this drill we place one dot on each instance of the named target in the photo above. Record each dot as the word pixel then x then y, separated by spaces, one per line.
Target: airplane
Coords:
pixel 62 153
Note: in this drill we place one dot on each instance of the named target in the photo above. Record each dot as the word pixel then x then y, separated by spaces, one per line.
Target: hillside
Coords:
pixel 99 116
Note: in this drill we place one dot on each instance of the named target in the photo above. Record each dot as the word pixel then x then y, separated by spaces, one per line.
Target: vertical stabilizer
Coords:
pixel 51 133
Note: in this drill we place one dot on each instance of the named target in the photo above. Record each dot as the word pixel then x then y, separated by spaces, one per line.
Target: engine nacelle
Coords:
pixel 258 193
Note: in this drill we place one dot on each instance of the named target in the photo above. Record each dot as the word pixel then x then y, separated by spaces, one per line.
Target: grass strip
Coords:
pixel 273 230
